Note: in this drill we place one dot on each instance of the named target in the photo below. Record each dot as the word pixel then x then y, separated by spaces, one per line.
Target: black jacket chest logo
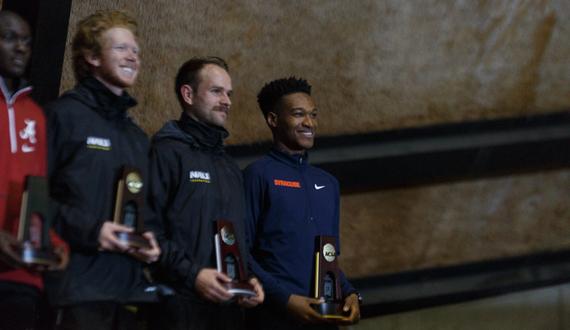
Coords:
pixel 199 176
pixel 94 142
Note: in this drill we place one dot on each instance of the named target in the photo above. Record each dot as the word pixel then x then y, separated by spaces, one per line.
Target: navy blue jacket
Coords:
pixel 289 202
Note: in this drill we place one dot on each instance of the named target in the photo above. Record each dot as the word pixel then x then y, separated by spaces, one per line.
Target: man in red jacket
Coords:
pixel 22 152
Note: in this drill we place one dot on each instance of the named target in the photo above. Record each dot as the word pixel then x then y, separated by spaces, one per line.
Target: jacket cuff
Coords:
pixel 191 279
pixel 56 241
pixel 278 299
pixel 93 239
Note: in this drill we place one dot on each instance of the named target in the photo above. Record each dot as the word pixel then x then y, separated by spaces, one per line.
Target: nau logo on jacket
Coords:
pixel 94 142
pixel 198 176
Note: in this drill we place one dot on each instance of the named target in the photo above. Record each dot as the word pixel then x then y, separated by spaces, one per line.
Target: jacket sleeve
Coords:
pixel 70 223
pixel 275 294
pixel 175 266
pixel 345 287
pixel 56 241
pixel 249 266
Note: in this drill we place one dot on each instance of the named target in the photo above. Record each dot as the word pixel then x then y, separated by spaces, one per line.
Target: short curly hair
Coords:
pixel 273 91
pixel 89 40
pixel 188 74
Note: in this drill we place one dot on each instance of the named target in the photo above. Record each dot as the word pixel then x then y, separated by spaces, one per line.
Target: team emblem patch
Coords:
pixel 94 142
pixel 29 134
pixel 199 176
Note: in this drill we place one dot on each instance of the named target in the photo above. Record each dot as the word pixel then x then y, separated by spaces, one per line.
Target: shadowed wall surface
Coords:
pixel 378 65
pixel 374 64
pixel 450 223
pixel 530 310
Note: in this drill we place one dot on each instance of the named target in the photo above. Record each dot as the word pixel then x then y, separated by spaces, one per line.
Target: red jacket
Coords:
pixel 22 152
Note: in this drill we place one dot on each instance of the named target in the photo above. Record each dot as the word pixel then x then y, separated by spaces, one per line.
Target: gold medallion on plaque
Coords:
pixel 329 252
pixel 228 235
pixel 129 207
pixel 134 182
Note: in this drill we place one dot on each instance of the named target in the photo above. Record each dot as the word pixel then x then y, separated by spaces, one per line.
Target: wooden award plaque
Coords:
pixel 129 207
pixel 327 280
pixel 229 260
pixel 34 224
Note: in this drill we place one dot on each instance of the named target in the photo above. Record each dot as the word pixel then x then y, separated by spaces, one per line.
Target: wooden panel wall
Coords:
pixel 453 223
pixel 374 64
pixel 379 65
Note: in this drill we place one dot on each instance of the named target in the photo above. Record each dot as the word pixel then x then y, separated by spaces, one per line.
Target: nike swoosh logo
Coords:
pixel 25 148
pixel 318 187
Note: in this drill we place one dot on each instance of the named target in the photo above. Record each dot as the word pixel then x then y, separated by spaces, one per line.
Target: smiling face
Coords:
pixel 15 42
pixel 293 123
pixel 210 103
pixel 118 65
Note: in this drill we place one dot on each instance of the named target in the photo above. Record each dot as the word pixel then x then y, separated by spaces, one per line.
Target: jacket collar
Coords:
pixel 204 136
pixel 107 104
pixel 287 158
pixel 22 88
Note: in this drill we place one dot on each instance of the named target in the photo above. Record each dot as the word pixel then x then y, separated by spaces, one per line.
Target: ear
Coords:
pixel 187 94
pixel 271 119
pixel 93 60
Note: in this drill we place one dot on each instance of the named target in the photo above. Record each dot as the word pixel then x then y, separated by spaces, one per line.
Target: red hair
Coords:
pixel 89 39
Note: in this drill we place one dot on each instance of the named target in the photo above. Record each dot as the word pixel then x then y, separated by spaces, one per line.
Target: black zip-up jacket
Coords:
pixel 192 183
pixel 90 137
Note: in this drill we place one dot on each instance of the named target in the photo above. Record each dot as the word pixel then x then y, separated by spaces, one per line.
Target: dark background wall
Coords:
pixel 383 65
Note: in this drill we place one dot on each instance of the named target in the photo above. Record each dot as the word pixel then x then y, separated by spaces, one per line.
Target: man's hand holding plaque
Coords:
pixel 351 306
pixel 209 285
pixel 32 248
pixel 34 245
pixel 327 305
pixel 10 254
pixel 229 261
pixel 8 246
pixel 126 232
pixel 300 308
pixel 327 280
pixel 109 241
pixel 252 301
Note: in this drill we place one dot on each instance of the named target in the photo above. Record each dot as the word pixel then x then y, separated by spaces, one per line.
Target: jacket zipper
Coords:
pixel 307 188
pixel 12 115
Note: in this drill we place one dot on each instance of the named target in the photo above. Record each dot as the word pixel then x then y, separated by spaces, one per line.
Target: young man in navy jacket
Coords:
pixel 289 203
